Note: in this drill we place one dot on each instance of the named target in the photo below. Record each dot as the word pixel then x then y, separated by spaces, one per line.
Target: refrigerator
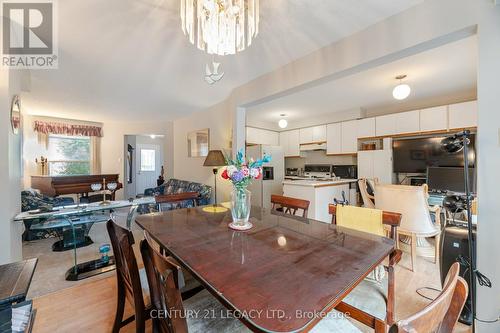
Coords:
pixel 271 181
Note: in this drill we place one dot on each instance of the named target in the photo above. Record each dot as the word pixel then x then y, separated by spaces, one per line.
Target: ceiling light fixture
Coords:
pixel 402 90
pixel 220 27
pixel 283 123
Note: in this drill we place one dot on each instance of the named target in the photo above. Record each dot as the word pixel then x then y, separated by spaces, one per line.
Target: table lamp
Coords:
pixel 215 159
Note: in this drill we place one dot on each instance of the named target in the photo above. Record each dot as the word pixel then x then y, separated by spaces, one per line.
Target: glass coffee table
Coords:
pixel 73 218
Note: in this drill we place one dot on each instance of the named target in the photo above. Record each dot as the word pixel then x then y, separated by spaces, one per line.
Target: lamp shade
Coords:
pixel 215 158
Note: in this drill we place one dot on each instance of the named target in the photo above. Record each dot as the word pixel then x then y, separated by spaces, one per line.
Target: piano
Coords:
pixel 54 186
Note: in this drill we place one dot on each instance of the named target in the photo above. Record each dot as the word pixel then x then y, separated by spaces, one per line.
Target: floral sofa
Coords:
pixel 174 186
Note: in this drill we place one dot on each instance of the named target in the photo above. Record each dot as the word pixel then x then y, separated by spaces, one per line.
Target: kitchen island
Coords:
pixel 320 193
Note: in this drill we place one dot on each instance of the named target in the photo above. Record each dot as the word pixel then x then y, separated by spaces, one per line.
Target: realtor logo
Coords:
pixel 28 34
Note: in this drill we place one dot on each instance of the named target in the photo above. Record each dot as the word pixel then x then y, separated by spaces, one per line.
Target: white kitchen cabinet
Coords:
pixel 385 125
pixel 306 135
pixel 375 164
pixel 463 115
pixel 349 142
pixel 366 128
pixel 319 133
pixel 262 137
pixel 434 119
pixel 408 122
pixel 294 143
pixel 334 139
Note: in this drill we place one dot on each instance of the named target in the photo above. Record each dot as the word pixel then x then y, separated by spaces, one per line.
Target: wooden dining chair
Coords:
pixel 373 303
pixel 163 276
pixel 289 205
pixel 131 282
pixel 442 314
pixel 178 197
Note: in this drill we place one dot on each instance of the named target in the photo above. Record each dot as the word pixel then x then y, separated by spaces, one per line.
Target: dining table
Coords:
pixel 287 270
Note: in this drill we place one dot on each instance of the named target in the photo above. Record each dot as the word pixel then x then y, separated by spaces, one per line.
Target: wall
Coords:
pixel 10 168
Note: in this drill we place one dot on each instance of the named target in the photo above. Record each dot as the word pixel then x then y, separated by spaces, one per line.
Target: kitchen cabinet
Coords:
pixel 319 133
pixel 334 139
pixel 306 135
pixel 289 141
pixel 366 128
pixel 434 119
pixel 313 134
pixel 349 142
pixel 262 137
pixel 408 122
pixel 463 115
pixel 385 125
pixel 375 164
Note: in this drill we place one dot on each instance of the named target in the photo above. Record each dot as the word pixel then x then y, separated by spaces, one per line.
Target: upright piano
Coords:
pixel 63 185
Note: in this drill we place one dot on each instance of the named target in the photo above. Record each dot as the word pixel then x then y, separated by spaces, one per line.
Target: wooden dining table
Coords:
pixel 289 271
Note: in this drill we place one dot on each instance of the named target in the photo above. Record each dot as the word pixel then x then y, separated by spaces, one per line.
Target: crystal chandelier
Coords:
pixel 220 27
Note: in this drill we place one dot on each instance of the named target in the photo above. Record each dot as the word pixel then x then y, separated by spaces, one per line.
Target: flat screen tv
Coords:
pixel 416 155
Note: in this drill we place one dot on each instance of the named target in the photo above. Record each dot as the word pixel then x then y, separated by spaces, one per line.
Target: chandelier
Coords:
pixel 220 27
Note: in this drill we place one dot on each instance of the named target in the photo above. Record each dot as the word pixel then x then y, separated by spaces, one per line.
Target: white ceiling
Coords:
pixel 128 59
pixel 449 71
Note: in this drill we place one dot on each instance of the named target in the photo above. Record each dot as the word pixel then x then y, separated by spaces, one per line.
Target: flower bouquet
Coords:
pixel 241 172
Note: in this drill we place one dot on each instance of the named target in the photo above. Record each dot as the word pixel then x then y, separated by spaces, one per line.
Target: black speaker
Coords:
pixel 454 242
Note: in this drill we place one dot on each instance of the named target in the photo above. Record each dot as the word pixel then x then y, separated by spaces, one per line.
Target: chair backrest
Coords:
pixel 411 202
pixel 178 197
pixel 162 273
pixel 367 198
pixel 289 205
pixel 127 271
pixel 390 219
pixel 440 315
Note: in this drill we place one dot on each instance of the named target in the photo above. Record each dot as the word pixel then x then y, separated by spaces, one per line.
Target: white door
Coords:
pixel 148 166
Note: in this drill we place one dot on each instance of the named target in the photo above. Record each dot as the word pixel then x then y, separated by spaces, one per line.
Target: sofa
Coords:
pixel 175 186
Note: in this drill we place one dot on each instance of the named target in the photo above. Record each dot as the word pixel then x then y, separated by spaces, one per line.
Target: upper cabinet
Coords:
pixel 312 134
pixel 408 122
pixel 334 138
pixel 349 137
pixel 434 119
pixel 386 125
pixel 262 137
pixel 463 115
pixel 366 128
pixel 289 141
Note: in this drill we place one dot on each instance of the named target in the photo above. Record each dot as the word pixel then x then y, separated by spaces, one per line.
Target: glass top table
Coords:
pixel 74 216
pixel 284 265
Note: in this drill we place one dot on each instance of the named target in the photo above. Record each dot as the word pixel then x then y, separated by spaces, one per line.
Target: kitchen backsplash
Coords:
pixel 319 157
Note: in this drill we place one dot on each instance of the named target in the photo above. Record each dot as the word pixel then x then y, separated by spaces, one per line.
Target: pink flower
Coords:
pixel 245 171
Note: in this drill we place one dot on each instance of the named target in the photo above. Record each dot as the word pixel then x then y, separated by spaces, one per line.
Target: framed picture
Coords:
pixel 199 143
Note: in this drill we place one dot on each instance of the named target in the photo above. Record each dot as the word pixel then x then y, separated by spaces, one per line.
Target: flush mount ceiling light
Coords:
pixel 283 123
pixel 220 27
pixel 402 90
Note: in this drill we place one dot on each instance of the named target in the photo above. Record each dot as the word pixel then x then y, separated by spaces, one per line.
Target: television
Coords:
pixel 417 154
pixel 442 179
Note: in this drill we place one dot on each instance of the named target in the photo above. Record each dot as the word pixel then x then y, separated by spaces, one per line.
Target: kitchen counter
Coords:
pixel 318 183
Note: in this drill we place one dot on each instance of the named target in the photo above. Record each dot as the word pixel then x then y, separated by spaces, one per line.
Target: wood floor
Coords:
pixel 90 307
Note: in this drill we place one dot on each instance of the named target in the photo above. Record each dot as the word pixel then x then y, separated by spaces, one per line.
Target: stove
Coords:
pixel 318 171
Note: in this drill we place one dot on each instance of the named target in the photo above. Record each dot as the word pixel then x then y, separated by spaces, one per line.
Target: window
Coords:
pixel 148 162
pixel 69 155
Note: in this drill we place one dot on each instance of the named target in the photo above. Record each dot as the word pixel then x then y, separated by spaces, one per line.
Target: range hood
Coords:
pixel 313 146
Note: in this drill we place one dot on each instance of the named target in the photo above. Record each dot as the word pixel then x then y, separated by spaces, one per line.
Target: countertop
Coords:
pixel 318 183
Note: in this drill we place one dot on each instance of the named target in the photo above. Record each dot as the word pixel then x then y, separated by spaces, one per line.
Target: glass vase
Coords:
pixel 240 208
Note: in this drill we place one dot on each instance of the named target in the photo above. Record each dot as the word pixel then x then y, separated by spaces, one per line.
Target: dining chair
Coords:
pixel 289 205
pixel 372 302
pixel 442 313
pixel 174 198
pixel 131 282
pixel 366 187
pixel 416 224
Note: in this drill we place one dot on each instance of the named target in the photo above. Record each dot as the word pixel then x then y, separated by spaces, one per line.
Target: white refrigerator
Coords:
pixel 272 183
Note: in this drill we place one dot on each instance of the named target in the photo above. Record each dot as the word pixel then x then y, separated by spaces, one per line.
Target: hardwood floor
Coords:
pixel 90 307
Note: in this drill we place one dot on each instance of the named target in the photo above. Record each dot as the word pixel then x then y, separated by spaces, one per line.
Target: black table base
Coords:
pixel 90 268
pixel 60 247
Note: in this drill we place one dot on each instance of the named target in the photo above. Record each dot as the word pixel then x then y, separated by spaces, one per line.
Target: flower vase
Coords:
pixel 240 208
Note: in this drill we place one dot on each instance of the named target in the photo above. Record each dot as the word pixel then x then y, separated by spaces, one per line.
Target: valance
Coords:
pixel 66 129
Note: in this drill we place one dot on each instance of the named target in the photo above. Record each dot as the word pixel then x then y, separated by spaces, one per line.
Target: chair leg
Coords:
pixel 413 252
pixel 120 307
pixel 140 320
pixel 436 253
pixel 380 327
pixel 390 296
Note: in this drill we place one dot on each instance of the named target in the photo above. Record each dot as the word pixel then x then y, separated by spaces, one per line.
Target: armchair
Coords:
pixel 364 187
pixel 417 224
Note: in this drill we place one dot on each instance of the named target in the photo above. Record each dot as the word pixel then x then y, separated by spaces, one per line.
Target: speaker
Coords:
pixel 454 242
